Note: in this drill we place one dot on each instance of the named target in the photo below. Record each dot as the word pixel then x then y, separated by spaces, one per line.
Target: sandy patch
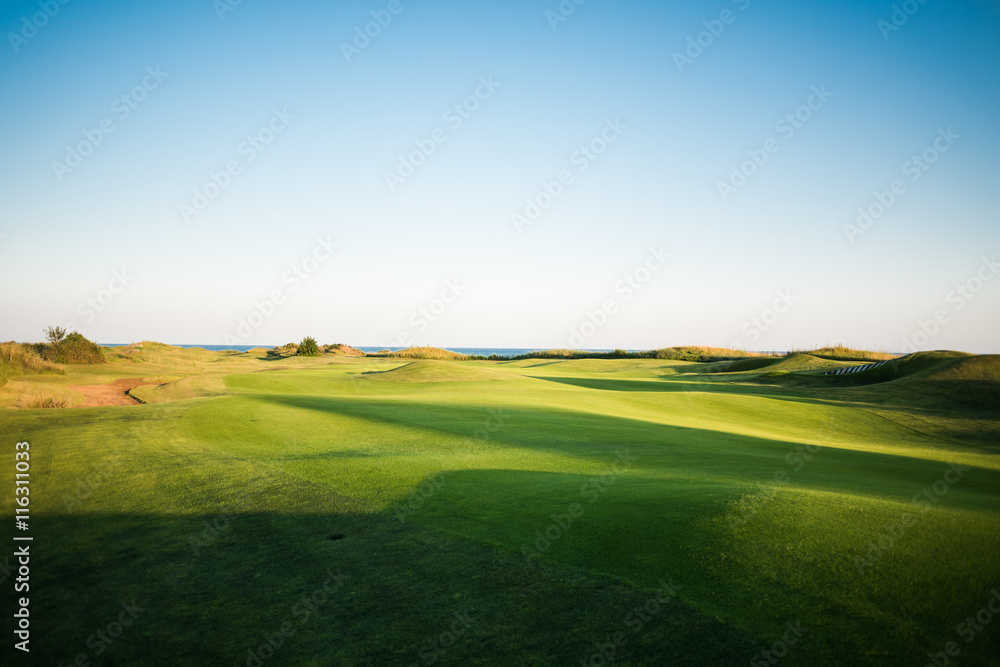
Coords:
pixel 116 393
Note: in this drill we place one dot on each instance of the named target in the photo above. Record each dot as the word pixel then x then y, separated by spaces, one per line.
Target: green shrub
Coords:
pixel 308 347
pixel 73 349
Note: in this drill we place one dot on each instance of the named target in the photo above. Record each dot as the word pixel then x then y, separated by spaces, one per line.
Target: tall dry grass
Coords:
pixel 17 359
pixel 38 400
pixel 840 352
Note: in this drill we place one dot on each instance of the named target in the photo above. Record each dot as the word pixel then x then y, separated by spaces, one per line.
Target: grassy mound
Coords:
pixel 341 349
pixel 985 368
pixel 936 379
pixel 841 353
pixel 422 353
pixel 699 353
pixel 799 363
pixel 741 365
pixel 772 367
pixel 435 371
pixel 951 378
pixel 913 366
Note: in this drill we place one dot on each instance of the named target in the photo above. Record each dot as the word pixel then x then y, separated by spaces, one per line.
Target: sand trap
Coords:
pixel 116 393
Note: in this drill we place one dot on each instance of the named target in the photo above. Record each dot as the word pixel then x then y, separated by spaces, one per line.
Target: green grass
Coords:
pixel 762 490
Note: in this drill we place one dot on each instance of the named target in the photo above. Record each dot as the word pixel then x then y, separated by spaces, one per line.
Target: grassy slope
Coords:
pixel 286 459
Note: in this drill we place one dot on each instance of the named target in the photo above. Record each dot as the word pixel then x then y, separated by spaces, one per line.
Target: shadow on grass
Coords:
pixel 699 452
pixel 976 399
pixel 207 590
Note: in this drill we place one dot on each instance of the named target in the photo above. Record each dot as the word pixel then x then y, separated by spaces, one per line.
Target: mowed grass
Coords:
pixel 543 502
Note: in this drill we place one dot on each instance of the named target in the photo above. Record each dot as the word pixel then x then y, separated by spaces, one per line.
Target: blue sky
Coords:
pixel 438 257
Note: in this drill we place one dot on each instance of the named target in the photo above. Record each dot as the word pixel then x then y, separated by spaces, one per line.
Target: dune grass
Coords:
pixel 17 359
pixel 543 510
pixel 842 353
pixel 42 400
pixel 421 353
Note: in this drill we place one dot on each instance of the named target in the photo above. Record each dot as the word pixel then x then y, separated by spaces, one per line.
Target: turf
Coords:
pixel 391 511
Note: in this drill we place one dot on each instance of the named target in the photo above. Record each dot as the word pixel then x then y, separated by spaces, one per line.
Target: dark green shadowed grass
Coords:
pixel 522 521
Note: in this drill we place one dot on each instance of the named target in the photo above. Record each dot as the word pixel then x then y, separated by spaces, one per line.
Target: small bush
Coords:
pixel 308 347
pixel 73 349
pixel 44 401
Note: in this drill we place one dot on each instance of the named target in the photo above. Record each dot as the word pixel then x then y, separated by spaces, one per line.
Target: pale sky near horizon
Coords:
pixel 106 231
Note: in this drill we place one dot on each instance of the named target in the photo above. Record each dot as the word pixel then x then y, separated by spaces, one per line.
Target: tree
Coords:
pixel 308 347
pixel 55 334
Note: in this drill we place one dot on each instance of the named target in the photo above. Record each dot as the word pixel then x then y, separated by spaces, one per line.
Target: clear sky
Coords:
pixel 508 173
